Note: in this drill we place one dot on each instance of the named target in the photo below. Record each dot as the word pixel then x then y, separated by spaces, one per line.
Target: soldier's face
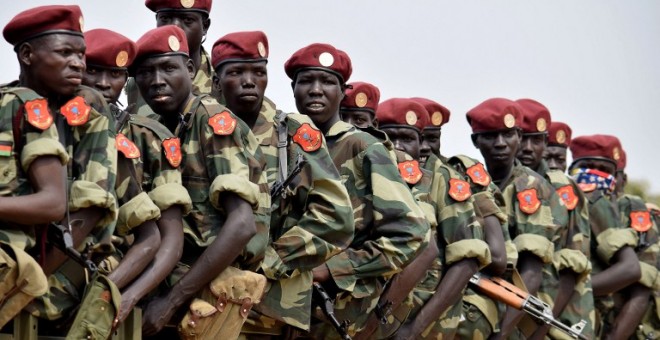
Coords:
pixel 532 148
pixel 318 94
pixel 165 82
pixel 359 118
pixel 430 144
pixel 556 158
pixel 243 86
pixel 194 24
pixel 404 139
pixel 498 148
pixel 108 81
pixel 596 164
pixel 56 63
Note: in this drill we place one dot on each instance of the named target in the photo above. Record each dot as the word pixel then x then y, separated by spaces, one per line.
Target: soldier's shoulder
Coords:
pixel 558 178
pixel 156 128
pixel 632 202
pixel 22 94
pixel 526 178
pixel 94 99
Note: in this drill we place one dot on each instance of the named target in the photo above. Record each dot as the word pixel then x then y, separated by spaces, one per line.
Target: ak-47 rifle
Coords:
pixel 327 305
pixel 279 188
pixel 501 290
pixel 60 237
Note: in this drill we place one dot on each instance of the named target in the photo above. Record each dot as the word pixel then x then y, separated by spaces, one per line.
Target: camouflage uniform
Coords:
pixel 313 223
pixel 389 226
pixel 650 326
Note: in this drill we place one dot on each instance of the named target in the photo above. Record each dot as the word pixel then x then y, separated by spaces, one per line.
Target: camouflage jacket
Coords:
pixel 635 215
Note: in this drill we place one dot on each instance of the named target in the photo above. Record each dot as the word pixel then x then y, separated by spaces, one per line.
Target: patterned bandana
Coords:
pixel 601 180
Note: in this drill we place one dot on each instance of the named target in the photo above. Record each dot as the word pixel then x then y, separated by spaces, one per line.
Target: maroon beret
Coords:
pixel 494 114
pixel 438 114
pixel 559 134
pixel 596 146
pixel 44 20
pixel 361 96
pixel 320 56
pixel 164 40
pixel 623 161
pixel 402 112
pixel 535 116
pixel 106 48
pixel 179 5
pixel 240 46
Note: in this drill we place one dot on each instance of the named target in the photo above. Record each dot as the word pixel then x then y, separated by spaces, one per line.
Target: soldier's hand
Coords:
pixel 157 314
pixel 126 306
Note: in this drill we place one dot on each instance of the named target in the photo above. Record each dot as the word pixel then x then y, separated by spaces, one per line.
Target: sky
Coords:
pixel 593 63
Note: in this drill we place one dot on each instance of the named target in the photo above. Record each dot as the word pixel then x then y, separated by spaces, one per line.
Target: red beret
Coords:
pixel 535 116
pixel 402 112
pixel 320 56
pixel 361 96
pixel 106 48
pixel 623 160
pixel 596 146
pixel 494 114
pixel 559 134
pixel 240 46
pixel 43 20
pixel 164 40
pixel 179 5
pixel 438 114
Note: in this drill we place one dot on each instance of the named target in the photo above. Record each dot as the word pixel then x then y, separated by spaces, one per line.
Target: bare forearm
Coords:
pixel 623 272
pixel 530 267
pixel 495 240
pixel 567 281
pixel 631 313
pixel 138 257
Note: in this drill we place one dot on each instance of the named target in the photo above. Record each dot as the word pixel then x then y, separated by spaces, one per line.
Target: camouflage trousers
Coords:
pixel 650 326
pixel 580 306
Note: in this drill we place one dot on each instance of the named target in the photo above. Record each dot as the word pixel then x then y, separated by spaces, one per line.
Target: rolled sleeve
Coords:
pixel 485 203
pixel 612 240
pixel 342 271
pixel 42 147
pixel 535 244
pixel 169 194
pixel 573 260
pixel 86 194
pixel 468 249
pixel 239 185
pixel 650 277
pixel 135 212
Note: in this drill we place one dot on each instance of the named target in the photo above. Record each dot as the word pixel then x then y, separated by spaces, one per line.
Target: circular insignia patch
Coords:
pixel 262 49
pixel 223 123
pixel 81 21
pixel 411 118
pixel 174 43
pixel 561 136
pixel 478 175
pixel 509 120
pixel 541 124
pixel 640 221
pixel 308 138
pixel 187 3
pixel 172 149
pixel 459 190
pixel 528 201
pixel 76 111
pixel 361 99
pixel 436 118
pixel 38 114
pixel 126 146
pixel 616 154
pixel 567 195
pixel 410 171
pixel 326 59
pixel 121 59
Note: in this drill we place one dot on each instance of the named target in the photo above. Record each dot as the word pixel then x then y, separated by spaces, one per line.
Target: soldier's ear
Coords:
pixel 25 52
pixel 293 85
pixel 374 122
pixel 191 68
pixel 206 23
pixel 216 83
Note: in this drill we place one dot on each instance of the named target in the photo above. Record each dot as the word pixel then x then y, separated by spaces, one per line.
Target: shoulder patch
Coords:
pixel 172 149
pixel 126 146
pixel 410 171
pixel 587 187
pixel 459 190
pixel 223 123
pixel 76 111
pixel 38 114
pixel 528 201
pixel 640 221
pixel 567 194
pixel 308 138
pixel 478 174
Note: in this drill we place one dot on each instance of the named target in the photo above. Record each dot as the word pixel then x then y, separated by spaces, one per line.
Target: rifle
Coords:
pixel 328 307
pixel 278 188
pixel 503 291
pixel 60 237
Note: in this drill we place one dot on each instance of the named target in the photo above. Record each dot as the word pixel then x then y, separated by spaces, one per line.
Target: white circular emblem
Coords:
pixel 326 59
pixel 262 49
pixel 174 43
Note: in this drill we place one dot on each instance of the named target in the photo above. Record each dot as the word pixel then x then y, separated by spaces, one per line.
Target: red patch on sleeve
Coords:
pixel 410 171
pixel 172 148
pixel 459 189
pixel 640 221
pixel 567 194
pixel 309 138
pixel 76 111
pixel 126 146
pixel 528 201
pixel 478 175
pixel 223 123
pixel 38 114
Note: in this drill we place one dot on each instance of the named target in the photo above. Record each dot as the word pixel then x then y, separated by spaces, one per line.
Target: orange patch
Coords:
pixel 410 171
pixel 478 174
pixel 38 114
pixel 76 111
pixel 172 148
pixel 308 138
pixel 567 195
pixel 528 201
pixel 126 146
pixel 640 221
pixel 223 123
pixel 459 189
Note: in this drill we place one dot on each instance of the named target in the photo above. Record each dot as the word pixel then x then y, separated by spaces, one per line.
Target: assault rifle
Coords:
pixel 60 237
pixel 501 290
pixel 279 188
pixel 328 307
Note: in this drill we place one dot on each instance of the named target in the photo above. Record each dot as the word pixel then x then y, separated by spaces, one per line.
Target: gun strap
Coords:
pixel 282 143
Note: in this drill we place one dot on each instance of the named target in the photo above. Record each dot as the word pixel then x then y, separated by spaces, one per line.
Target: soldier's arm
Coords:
pixel 138 256
pixel 630 315
pixel 624 271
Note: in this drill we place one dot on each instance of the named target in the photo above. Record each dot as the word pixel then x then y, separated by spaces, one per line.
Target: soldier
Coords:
pixel 559 139
pixel 614 263
pixel 569 282
pixel 389 226
pixel 650 326
pixel 438 116
pixel 228 226
pixel 532 206
pixel 314 212
pixel 437 303
pixel 50 48
pixel 149 191
pixel 359 105
pixel 192 16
